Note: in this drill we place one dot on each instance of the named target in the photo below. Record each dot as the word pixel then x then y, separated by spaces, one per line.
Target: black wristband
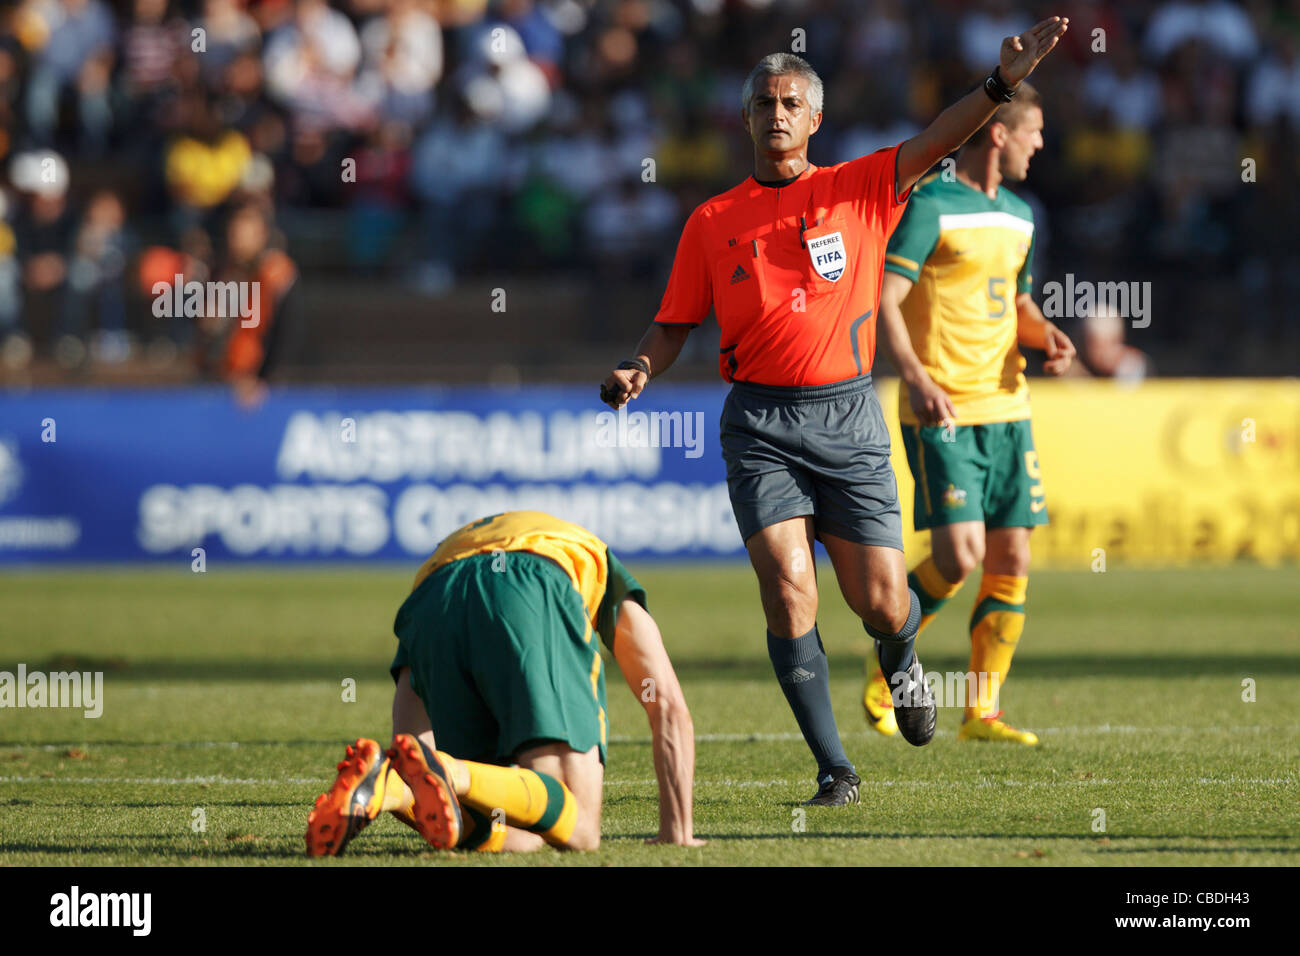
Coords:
pixel 996 87
pixel 639 364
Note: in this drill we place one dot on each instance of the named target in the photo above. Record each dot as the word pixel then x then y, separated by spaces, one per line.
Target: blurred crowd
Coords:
pixel 433 140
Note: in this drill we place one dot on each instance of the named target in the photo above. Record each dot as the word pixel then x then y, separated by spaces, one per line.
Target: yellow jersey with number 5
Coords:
pixel 969 257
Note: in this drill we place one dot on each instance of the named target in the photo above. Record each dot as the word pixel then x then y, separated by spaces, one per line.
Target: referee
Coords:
pixel 791 262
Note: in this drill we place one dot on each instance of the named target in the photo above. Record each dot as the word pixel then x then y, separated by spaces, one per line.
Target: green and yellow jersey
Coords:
pixel 591 567
pixel 969 256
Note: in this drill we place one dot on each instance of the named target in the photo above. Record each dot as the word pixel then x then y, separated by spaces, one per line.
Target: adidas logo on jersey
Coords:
pixel 740 275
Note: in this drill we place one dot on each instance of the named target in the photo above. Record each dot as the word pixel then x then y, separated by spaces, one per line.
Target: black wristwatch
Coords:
pixel 607 394
pixel 996 87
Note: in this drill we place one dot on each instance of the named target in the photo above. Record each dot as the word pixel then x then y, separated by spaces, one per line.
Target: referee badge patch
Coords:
pixel 828 255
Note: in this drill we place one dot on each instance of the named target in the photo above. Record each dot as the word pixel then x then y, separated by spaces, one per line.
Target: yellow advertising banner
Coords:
pixel 1163 473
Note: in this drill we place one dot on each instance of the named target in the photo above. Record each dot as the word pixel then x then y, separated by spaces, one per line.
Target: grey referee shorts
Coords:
pixel 819 450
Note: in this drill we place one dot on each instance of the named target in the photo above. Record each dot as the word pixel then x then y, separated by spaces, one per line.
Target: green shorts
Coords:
pixel 985 473
pixel 504 658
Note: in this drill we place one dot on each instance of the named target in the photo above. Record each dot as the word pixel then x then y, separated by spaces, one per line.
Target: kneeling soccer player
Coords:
pixel 497 663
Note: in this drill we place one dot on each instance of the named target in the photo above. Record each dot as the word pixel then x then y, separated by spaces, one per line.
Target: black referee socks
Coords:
pixel 895 650
pixel 801 667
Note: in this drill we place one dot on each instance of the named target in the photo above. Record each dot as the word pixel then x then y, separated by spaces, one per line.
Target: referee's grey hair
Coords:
pixel 784 64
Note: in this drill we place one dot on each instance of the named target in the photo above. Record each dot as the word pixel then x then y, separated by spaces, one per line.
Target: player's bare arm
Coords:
pixel 1034 331
pixel 658 349
pixel 1020 55
pixel 931 403
pixel 639 650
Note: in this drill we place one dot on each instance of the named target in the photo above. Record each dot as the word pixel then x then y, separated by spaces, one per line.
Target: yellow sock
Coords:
pixel 481 834
pixel 398 798
pixel 495 841
pixel 995 628
pixel 932 588
pixel 530 800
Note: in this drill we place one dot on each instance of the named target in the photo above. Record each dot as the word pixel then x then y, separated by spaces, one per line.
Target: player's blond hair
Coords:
pixel 784 64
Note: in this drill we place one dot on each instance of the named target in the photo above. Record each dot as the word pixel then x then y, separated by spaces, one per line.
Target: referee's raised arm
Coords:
pixel 1020 55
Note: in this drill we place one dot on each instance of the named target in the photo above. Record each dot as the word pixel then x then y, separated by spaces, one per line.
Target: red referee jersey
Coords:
pixel 793 272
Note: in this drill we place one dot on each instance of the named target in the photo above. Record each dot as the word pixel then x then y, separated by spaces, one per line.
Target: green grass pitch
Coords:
pixel 224 705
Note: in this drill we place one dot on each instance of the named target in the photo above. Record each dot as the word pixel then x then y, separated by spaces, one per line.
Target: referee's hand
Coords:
pixel 622 385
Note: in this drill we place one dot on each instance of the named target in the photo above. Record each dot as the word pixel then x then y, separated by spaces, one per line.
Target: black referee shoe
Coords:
pixel 914 704
pixel 836 789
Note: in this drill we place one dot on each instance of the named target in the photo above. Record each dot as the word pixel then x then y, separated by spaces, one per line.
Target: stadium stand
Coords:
pixel 411 157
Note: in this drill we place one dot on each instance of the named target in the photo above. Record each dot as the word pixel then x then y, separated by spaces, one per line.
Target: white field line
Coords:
pixel 720 738
pixel 175 781
pixel 650 782
pixel 1085 731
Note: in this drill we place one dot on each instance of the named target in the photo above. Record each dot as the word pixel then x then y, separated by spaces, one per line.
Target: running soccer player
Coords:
pixel 955 328
pixel 791 262
pixel 496 665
